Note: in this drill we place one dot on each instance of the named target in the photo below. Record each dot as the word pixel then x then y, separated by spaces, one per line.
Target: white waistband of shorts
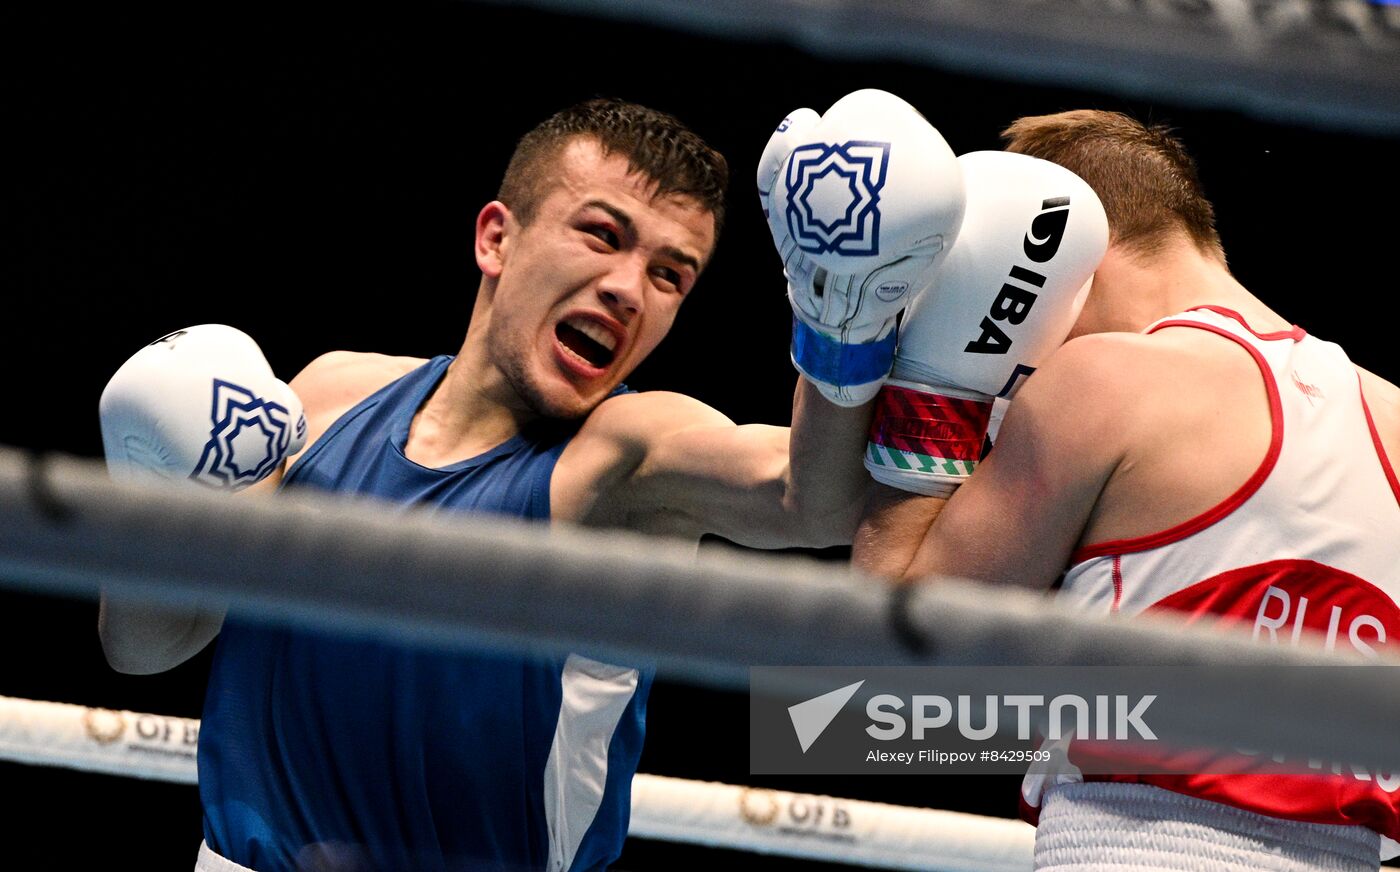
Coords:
pixel 1111 826
pixel 211 862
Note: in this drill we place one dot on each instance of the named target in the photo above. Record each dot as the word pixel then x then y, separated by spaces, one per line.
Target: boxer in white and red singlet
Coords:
pixel 1190 450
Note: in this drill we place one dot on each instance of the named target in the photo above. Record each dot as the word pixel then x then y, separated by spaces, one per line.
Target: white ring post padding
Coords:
pixel 161 747
pixel 454 579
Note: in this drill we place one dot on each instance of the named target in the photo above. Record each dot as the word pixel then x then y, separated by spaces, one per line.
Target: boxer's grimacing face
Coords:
pixel 592 283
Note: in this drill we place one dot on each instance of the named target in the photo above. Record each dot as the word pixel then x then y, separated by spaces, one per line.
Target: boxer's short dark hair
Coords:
pixel 1147 182
pixel 657 145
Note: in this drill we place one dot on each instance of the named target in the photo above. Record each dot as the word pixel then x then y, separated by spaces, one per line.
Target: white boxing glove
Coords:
pixel 862 203
pixel 200 405
pixel 1005 298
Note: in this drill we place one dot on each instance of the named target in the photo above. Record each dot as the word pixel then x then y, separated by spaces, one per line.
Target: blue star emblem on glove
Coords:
pixel 833 196
pixel 248 438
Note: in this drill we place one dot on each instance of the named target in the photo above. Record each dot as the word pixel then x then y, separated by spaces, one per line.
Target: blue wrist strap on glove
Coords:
pixel 832 362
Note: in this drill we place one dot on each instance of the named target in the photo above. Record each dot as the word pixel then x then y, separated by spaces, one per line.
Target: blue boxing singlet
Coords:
pixel 320 751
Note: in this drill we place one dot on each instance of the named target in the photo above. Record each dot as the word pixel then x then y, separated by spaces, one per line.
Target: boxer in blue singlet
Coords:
pixel 346 753
pixel 443 751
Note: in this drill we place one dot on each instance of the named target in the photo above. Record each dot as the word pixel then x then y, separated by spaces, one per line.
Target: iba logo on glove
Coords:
pixel 833 196
pixel 248 438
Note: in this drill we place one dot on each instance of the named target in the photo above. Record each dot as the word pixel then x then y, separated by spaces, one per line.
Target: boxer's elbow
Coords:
pixel 132 661
pixel 144 640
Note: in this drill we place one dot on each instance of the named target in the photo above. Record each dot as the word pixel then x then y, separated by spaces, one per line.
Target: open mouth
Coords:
pixel 590 341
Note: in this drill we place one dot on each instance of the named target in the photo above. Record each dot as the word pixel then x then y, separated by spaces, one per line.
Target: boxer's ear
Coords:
pixel 493 226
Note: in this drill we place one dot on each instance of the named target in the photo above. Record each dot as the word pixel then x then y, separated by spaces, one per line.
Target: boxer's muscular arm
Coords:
pixel 666 463
pixel 141 638
pixel 1116 436
pixel 1020 515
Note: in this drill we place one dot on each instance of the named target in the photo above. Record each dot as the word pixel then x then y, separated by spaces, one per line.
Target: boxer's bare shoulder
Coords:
pixel 614 444
pixel 333 383
pixel 1192 425
pixel 1140 431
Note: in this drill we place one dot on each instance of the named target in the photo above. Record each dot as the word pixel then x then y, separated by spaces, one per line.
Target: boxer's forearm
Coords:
pixel 827 480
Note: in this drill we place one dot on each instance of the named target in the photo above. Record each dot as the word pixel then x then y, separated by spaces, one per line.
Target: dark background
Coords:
pixel 311 175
